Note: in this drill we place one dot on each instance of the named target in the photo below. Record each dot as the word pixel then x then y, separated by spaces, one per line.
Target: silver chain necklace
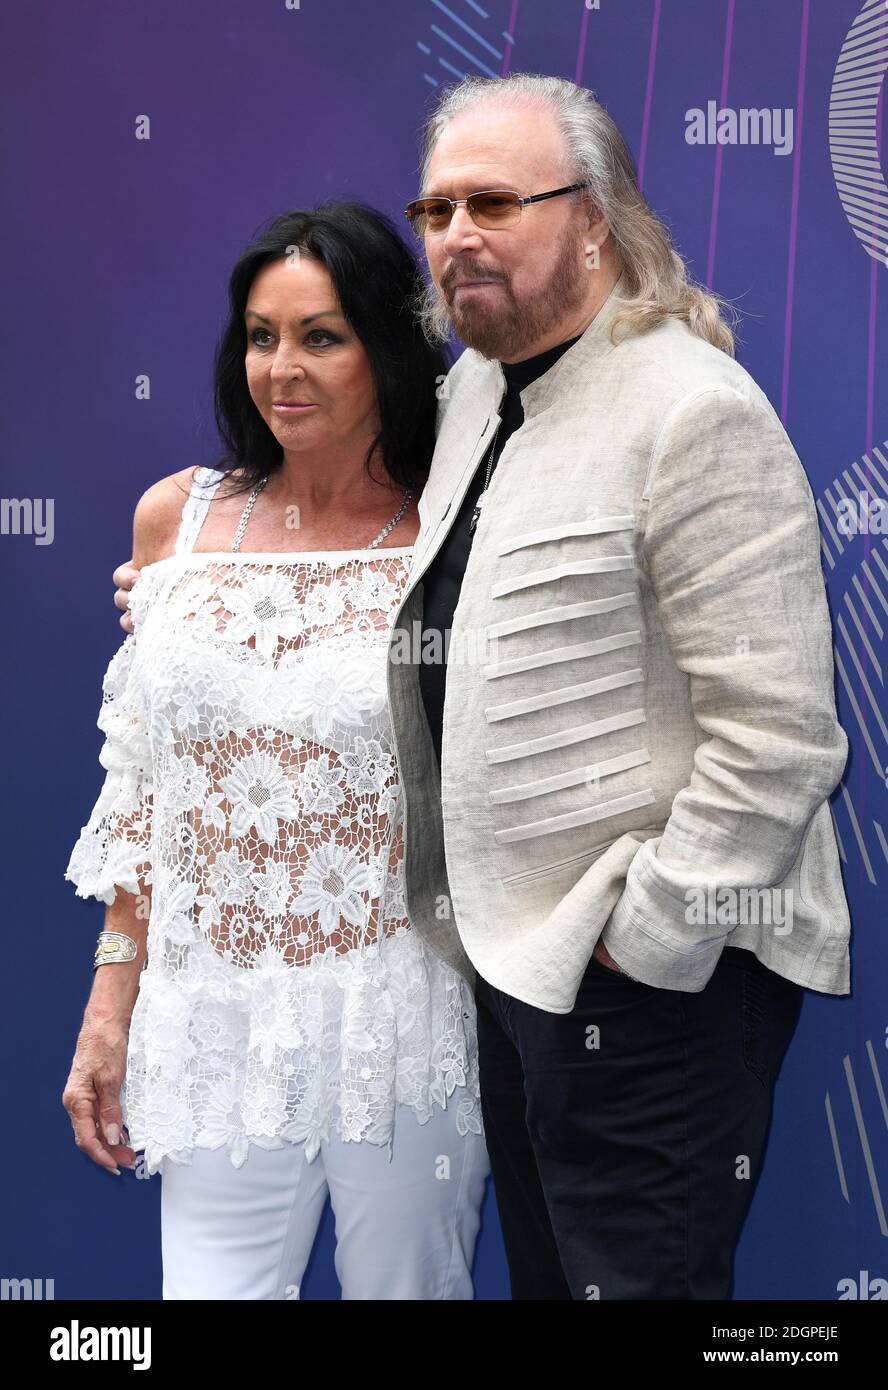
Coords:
pixel 242 524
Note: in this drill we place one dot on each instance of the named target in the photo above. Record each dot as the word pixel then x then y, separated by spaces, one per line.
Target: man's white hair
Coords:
pixel 656 277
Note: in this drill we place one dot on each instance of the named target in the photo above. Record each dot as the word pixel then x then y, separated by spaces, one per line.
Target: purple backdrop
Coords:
pixel 120 250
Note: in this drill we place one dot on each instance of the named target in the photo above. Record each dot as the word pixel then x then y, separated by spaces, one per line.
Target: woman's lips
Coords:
pixel 286 408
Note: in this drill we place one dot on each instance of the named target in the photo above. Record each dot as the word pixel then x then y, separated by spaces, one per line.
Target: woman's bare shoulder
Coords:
pixel 157 516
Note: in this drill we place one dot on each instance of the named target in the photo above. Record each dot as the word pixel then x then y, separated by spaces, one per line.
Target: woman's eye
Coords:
pixel 318 337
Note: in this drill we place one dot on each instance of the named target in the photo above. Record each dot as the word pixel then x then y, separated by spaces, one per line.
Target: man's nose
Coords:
pixel 462 234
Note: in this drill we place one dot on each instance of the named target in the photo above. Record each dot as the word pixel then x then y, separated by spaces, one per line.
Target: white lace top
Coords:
pixel 252 782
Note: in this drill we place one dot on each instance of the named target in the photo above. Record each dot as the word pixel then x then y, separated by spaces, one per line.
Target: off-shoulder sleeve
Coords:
pixel 113 849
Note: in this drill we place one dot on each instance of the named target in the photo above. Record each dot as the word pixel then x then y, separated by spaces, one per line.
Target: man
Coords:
pixel 616 816
pixel 638 706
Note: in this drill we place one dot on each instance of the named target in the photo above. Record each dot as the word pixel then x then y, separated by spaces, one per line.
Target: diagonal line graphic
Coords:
pixel 837 1154
pixel 865 1146
pixel 880 1090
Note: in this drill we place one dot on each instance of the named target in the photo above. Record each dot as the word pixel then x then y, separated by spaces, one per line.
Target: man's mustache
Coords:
pixel 465 273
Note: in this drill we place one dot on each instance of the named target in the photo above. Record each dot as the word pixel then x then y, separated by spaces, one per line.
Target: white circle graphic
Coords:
pixel 853 128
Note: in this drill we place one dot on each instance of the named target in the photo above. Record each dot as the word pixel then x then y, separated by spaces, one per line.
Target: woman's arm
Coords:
pixel 92 1091
pixel 115 986
pixel 109 861
pixel 155 524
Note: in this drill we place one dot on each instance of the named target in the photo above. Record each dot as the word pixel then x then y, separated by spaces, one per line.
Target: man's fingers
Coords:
pixel 125 576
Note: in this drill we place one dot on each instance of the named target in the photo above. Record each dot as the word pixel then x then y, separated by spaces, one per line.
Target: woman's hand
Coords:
pixel 92 1092
pixel 124 577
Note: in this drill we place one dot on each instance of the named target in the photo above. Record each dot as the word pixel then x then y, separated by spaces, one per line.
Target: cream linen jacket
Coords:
pixel 639 695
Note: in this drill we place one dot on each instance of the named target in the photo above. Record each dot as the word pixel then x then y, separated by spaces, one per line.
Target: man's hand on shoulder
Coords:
pixel 123 578
pixel 155 523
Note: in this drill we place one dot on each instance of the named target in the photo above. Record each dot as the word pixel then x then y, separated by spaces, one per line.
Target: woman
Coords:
pixel 289 1034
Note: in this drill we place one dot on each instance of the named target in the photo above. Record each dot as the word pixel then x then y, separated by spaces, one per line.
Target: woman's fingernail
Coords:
pixel 112 1134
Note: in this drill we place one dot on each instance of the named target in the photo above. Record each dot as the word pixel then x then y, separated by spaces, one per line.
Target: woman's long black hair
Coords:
pixel 377 281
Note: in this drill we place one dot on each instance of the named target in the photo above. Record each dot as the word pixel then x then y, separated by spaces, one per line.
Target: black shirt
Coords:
pixel 443 578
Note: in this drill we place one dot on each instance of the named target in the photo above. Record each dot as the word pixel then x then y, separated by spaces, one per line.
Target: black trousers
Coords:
pixel 626 1137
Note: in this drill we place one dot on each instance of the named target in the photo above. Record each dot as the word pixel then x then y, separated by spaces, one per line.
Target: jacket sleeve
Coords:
pixel 731 548
pixel 114 846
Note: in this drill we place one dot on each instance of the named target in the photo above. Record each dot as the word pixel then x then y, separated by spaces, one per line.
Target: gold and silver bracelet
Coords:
pixel 114 946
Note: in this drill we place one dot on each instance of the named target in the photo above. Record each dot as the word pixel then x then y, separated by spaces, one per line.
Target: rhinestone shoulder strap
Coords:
pixel 203 490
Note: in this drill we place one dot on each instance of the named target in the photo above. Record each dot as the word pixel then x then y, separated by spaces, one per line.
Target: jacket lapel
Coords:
pixel 454 462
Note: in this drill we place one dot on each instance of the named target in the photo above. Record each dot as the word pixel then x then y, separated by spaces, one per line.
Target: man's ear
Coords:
pixel 597 225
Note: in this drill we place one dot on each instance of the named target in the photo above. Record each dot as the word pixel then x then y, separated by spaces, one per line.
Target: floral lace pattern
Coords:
pixel 252 783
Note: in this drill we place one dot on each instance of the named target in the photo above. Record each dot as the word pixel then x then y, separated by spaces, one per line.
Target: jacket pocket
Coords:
pixel 588 856
pixel 527 875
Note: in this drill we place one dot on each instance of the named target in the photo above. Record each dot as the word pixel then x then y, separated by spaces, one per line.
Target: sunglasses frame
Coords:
pixel 455 202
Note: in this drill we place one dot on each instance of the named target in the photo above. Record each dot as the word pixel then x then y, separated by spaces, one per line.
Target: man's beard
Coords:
pixel 507 328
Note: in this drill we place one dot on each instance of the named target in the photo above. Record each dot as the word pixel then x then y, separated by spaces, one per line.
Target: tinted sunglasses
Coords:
pixel 491 209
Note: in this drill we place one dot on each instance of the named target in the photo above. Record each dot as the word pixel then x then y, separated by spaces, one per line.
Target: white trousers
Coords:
pixel 406 1226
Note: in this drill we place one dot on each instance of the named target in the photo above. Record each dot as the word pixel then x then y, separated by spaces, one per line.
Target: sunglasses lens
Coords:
pixel 494 209
pixel 429 214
